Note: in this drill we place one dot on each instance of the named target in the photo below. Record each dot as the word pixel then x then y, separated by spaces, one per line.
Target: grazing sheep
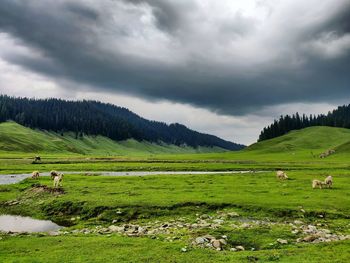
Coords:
pixel 323 155
pixel 281 175
pixel 53 174
pixel 329 181
pixel 327 153
pixel 318 183
pixel 35 175
pixel 57 181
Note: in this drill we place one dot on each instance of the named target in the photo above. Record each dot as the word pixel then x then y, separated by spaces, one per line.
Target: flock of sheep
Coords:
pixel 328 182
pixel 55 176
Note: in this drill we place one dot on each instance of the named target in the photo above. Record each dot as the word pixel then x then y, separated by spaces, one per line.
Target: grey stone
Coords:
pixel 216 243
pixel 282 241
pixel 201 240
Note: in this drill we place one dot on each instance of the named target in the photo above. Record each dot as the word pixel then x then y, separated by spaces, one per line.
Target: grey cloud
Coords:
pixel 183 54
pixel 82 11
pixel 169 16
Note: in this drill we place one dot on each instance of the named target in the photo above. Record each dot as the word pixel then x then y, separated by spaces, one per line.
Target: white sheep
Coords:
pixel 35 175
pixel 281 175
pixel 318 183
pixel 53 174
pixel 57 181
pixel 329 181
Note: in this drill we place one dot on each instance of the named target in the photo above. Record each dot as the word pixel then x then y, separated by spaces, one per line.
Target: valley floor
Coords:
pixel 179 218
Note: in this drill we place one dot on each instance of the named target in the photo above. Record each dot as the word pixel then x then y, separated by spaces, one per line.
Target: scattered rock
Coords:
pixel 232 214
pixel 204 216
pixel 209 237
pixel 245 225
pixel 201 240
pixel 298 222
pixel 282 241
pixel 12 202
pixel 53 233
pixel 114 228
pixel 216 243
pixel 310 238
pixel 218 221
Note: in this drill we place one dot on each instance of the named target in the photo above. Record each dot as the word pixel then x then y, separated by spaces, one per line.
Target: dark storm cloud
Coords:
pixel 169 16
pixel 199 53
pixel 83 11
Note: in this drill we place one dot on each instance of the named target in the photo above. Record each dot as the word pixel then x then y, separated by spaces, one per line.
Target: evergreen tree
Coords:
pixel 339 117
pixel 96 118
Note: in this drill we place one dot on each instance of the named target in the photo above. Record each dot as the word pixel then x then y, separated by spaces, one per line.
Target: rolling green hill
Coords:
pixel 97 118
pixel 17 138
pixel 303 145
pixel 319 139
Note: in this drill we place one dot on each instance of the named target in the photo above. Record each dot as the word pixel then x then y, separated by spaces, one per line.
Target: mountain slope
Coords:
pixel 96 118
pixel 17 138
pixel 318 139
pixel 339 117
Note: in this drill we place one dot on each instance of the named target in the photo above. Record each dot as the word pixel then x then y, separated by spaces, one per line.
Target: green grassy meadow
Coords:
pixel 16 139
pixel 266 209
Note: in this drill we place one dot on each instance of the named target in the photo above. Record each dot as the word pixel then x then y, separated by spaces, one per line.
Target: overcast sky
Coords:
pixel 222 67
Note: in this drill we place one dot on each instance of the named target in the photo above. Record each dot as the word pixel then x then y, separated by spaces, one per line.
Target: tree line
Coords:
pixel 97 118
pixel 339 117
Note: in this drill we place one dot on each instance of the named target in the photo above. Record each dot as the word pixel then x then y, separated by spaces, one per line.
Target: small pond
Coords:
pixel 26 224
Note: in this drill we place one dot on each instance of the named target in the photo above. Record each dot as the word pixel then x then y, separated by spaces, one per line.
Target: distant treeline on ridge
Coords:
pixel 339 117
pixel 96 118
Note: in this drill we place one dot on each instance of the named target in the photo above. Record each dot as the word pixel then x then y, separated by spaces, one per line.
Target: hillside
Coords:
pixel 16 138
pixel 96 118
pixel 339 117
pixel 317 139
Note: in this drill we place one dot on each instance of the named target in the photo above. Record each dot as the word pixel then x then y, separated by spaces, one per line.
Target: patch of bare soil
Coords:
pixel 37 189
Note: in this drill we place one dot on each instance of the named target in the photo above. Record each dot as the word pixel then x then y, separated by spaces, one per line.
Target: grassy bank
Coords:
pixel 178 209
pixel 268 205
pixel 123 249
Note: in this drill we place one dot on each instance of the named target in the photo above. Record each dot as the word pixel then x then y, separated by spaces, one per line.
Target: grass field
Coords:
pixel 15 139
pixel 177 209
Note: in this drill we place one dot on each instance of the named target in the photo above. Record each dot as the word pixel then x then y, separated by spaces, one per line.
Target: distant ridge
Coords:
pixel 317 140
pixel 15 138
pixel 96 118
pixel 339 117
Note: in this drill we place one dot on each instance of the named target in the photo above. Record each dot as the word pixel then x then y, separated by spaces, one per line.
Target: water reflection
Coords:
pixel 26 224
